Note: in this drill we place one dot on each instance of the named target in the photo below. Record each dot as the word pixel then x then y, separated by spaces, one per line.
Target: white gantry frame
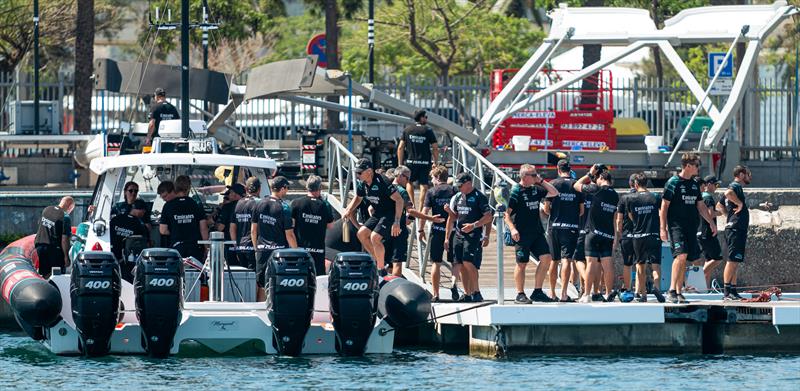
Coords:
pixel 634 29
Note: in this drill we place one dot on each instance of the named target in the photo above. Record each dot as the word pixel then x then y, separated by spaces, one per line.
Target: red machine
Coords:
pixel 575 118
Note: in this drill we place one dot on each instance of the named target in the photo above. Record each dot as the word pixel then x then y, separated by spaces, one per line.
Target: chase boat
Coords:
pixel 93 311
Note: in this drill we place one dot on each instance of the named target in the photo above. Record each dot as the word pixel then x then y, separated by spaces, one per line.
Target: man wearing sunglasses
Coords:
pixel 682 207
pixel 131 193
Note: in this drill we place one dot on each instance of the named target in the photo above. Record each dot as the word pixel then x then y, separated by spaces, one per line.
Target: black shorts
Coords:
pixel 396 247
pixel 262 257
pixel 598 246
pixel 647 250
pixel 49 257
pixel 710 248
pixel 684 241
pixel 531 244
pixel 247 259
pixel 628 254
pixel 436 244
pixel 467 249
pixel 580 248
pixel 563 242
pixel 737 240
pixel 381 225
pixel 420 173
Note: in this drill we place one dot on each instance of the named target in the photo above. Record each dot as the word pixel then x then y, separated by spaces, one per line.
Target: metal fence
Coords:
pixel 765 126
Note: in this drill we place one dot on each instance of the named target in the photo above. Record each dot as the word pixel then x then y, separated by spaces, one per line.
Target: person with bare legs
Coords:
pixel 418 150
pixel 435 201
pixel 709 244
pixel 625 240
pixel 565 212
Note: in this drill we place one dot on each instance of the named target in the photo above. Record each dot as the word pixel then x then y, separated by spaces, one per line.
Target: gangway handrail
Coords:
pixel 336 151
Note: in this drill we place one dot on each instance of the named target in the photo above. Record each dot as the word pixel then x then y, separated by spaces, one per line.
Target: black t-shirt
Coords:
pixel 640 210
pixel 162 111
pixel 273 217
pixel 123 208
pixel 418 139
pixel 704 230
pixel 311 217
pixel 378 194
pixel 602 211
pixel 469 208
pixel 436 198
pixel 225 217
pixel 54 224
pixel 334 239
pixel 182 215
pixel 123 227
pixel 682 195
pixel 587 205
pixel 741 220
pixel 565 210
pixel 627 224
pixel 524 205
pixel 243 217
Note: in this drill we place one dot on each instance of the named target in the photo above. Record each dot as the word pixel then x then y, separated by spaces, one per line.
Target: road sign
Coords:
pixel 316 45
pixel 715 61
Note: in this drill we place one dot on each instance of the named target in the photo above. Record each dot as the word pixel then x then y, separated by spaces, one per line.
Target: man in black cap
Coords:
pixel 416 146
pixel 271 229
pixel 387 207
pixel 224 217
pixel 469 212
pixel 241 223
pixel 161 110
pixel 709 243
pixel 312 216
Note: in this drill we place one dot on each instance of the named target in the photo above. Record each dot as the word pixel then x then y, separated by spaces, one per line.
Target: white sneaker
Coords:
pixel 585 299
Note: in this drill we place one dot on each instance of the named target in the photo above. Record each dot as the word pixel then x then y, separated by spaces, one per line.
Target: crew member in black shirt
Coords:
pixel 312 217
pixel 469 212
pixel 625 239
pixel 271 229
pixel 600 233
pixel 416 146
pixel 121 227
pixel 224 216
pixel 131 192
pixel 565 212
pixel 641 210
pixel 162 110
pixel 387 207
pixel 52 236
pixel 435 201
pixel 736 228
pixel 241 223
pixel 681 208
pixel 184 221
pixel 709 244
pixel 522 218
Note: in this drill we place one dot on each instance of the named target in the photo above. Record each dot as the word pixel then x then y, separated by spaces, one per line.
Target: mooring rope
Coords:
pixel 383 331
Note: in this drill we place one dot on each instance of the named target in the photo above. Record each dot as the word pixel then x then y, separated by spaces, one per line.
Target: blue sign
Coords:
pixel 715 62
pixel 316 45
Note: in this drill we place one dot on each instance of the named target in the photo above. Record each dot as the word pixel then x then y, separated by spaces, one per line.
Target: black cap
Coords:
pixel 711 179
pixel 279 182
pixel 362 165
pixel 463 178
pixel 563 165
pixel 237 188
pixel 139 204
pixel 418 114
pixel 160 92
pixel 253 184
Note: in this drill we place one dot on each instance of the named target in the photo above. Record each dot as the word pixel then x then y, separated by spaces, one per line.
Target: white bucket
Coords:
pixel 521 143
pixel 652 143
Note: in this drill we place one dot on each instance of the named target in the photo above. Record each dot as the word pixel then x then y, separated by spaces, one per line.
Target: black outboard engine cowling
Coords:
pixel 95 286
pixel 158 283
pixel 353 293
pixel 291 285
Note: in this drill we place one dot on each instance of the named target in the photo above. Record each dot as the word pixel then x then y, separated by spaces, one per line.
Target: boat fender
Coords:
pixel 403 303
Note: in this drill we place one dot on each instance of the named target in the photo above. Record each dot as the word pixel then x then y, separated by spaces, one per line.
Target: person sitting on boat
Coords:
pixel 162 110
pixel 271 229
pixel 52 236
pixel 184 221
pixel 122 227
pixel 131 192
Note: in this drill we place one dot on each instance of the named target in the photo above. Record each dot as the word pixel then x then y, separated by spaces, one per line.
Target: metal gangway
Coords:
pixel 486 177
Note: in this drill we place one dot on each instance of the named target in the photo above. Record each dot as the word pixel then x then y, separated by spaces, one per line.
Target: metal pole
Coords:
pixel 103 121
pixel 216 286
pixel 371 41
pixel 205 45
pixel 350 113
pixel 501 209
pixel 185 68
pixel 35 66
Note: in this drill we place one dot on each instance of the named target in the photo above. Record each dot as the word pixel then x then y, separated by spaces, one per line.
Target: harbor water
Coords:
pixel 25 364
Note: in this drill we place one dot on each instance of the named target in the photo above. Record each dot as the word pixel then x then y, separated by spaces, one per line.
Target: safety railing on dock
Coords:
pixel 341 165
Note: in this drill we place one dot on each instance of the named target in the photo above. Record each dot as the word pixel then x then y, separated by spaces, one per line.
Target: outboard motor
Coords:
pixel 158 283
pixel 94 292
pixel 353 291
pixel 291 285
pixel 404 303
